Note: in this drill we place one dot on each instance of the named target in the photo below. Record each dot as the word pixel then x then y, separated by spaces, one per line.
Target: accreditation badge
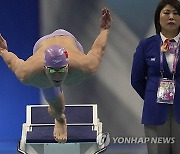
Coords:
pixel 166 91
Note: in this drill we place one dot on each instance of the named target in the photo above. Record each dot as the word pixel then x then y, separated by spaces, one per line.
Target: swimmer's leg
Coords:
pixel 55 98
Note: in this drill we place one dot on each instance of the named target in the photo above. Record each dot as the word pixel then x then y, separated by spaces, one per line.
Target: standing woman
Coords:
pixel 156 78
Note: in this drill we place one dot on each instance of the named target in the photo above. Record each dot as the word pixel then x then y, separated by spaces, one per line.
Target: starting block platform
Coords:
pixel 83 131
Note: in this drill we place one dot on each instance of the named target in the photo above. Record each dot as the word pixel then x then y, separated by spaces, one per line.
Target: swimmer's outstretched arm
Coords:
pixel 24 70
pixel 99 45
pixel 88 64
pixel 11 60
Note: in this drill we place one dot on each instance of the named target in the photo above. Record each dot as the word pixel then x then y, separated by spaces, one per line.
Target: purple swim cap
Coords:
pixel 55 56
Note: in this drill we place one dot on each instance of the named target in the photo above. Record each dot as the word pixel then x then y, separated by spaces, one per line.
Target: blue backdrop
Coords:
pixel 19 26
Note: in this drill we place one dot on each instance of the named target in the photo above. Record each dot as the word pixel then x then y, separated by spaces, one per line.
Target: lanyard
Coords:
pixel 176 57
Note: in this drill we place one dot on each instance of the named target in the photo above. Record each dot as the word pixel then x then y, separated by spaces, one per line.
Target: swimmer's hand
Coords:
pixel 3 43
pixel 105 21
pixel 2 51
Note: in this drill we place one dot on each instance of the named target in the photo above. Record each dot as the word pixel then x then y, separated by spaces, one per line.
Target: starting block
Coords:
pixel 83 129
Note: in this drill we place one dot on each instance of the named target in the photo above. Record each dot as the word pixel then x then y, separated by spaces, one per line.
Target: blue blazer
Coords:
pixel 145 77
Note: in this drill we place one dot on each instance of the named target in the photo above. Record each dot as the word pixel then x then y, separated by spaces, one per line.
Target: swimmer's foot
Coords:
pixel 60 129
